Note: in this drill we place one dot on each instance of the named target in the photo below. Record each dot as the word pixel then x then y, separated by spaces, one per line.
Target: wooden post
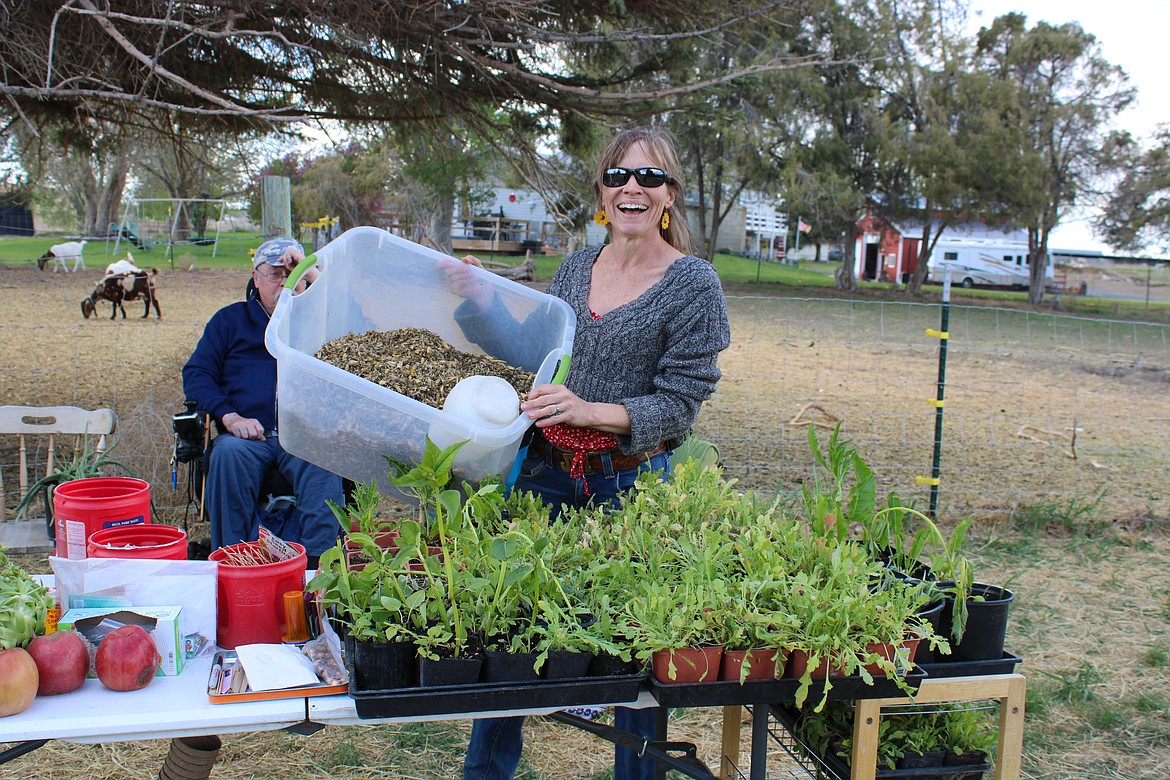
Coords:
pixel 729 753
pixel 276 206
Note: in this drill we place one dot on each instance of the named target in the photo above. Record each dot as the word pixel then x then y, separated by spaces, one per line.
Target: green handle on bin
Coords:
pixel 562 372
pixel 299 271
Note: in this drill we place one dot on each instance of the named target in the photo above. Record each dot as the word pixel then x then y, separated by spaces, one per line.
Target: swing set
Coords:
pixel 170 222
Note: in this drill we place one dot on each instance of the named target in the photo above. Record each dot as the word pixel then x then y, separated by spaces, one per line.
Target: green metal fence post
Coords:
pixel 943 336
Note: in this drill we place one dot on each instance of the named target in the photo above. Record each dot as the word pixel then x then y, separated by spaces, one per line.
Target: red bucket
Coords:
pixel 250 599
pixel 163 542
pixel 84 506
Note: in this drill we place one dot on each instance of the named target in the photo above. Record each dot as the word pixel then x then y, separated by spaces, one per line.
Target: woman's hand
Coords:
pixel 465 282
pixel 552 404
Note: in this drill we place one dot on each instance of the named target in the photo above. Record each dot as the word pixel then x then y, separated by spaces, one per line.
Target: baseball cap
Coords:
pixel 276 251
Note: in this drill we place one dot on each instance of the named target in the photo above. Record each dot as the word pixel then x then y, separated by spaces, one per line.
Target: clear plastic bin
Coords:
pixel 373 280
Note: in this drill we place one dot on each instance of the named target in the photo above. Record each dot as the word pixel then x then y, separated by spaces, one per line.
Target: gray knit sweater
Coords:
pixel 656 355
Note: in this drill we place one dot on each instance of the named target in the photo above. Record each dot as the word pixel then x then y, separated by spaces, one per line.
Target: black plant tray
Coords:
pixel 1003 665
pixel 728 692
pixel 485 697
pixel 836 767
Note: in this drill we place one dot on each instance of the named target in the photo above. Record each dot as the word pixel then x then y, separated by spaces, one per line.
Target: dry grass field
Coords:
pixel 1075 526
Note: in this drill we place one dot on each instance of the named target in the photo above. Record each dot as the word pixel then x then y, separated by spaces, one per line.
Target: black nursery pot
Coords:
pixel 566 664
pixel 606 665
pixel 932 614
pixel 508 667
pixel 449 671
pixel 976 759
pixel 384 665
pixel 920 760
pixel 986 624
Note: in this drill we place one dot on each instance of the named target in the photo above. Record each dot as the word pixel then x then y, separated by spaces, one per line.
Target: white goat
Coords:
pixel 123 266
pixel 61 254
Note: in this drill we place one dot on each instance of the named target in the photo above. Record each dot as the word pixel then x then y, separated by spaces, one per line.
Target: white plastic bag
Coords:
pixel 123 582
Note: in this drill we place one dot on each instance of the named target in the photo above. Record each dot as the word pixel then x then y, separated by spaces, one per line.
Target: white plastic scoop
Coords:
pixel 484 400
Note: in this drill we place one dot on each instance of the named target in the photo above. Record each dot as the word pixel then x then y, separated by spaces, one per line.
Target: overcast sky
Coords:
pixel 1132 34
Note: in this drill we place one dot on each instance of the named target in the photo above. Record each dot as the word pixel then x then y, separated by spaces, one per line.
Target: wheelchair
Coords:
pixel 193 446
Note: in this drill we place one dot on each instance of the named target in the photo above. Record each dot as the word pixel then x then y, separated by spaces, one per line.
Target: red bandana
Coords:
pixel 580 440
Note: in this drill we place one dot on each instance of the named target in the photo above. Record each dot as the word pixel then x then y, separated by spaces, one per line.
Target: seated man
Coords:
pixel 233 378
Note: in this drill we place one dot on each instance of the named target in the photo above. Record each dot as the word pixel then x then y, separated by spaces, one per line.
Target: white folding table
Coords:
pixel 178 707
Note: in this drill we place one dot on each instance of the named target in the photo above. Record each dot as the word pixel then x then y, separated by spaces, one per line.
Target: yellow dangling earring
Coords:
pixel 665 219
pixel 601 218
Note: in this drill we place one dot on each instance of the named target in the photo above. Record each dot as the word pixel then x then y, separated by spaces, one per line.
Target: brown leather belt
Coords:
pixel 594 462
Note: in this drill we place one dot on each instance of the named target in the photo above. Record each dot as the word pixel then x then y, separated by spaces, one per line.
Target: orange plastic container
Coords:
pixel 163 542
pixel 84 506
pixel 250 599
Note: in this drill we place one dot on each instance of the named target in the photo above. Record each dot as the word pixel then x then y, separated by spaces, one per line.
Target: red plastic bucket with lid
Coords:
pixel 84 506
pixel 163 542
pixel 250 599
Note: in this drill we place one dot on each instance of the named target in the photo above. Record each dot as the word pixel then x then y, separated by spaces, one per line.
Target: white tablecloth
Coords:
pixel 178 707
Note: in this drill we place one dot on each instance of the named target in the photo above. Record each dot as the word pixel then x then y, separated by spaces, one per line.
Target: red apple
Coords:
pixel 62 660
pixel 18 681
pixel 127 659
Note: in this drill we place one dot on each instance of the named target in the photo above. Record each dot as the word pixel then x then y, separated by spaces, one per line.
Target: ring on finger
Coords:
pixel 557 410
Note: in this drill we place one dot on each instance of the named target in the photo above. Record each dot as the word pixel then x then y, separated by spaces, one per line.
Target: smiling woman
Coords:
pixel 651 322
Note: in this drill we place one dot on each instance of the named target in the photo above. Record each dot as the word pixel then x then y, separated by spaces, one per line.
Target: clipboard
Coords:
pixel 227 659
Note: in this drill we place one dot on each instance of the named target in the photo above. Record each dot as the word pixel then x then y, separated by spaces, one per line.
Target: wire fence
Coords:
pixel 1041 409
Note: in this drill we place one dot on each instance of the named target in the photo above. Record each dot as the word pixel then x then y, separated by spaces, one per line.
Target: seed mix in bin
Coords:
pixel 416 363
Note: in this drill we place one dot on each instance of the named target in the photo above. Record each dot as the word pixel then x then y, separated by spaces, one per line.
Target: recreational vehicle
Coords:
pixel 974 262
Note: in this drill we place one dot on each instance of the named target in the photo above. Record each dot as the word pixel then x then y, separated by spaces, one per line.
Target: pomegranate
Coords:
pixel 18 681
pixel 62 661
pixel 127 659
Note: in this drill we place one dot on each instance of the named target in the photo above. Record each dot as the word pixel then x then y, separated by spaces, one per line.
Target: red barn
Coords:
pixel 889 252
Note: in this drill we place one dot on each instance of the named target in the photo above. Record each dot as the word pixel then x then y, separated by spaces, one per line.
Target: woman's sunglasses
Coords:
pixel 647 177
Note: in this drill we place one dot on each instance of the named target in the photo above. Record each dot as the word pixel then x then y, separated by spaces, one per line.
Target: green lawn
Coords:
pixel 232 252
pixel 741 270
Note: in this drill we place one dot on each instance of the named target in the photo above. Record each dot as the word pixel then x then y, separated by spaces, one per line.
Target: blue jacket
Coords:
pixel 230 369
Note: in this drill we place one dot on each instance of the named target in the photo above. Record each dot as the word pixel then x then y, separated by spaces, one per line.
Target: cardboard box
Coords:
pixel 162 623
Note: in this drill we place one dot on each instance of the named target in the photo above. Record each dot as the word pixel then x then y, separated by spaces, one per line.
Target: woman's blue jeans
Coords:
pixel 494 750
pixel 496 743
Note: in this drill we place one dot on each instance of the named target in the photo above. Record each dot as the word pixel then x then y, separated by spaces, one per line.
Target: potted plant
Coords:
pixel 919 736
pixel 828 734
pixel 760 632
pixel 904 539
pixel 564 645
pixel 380 606
pixel 361 514
pixel 680 627
pixel 451 648
pixel 969 736
pixel 911 741
pixel 447 653
pixel 610 634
